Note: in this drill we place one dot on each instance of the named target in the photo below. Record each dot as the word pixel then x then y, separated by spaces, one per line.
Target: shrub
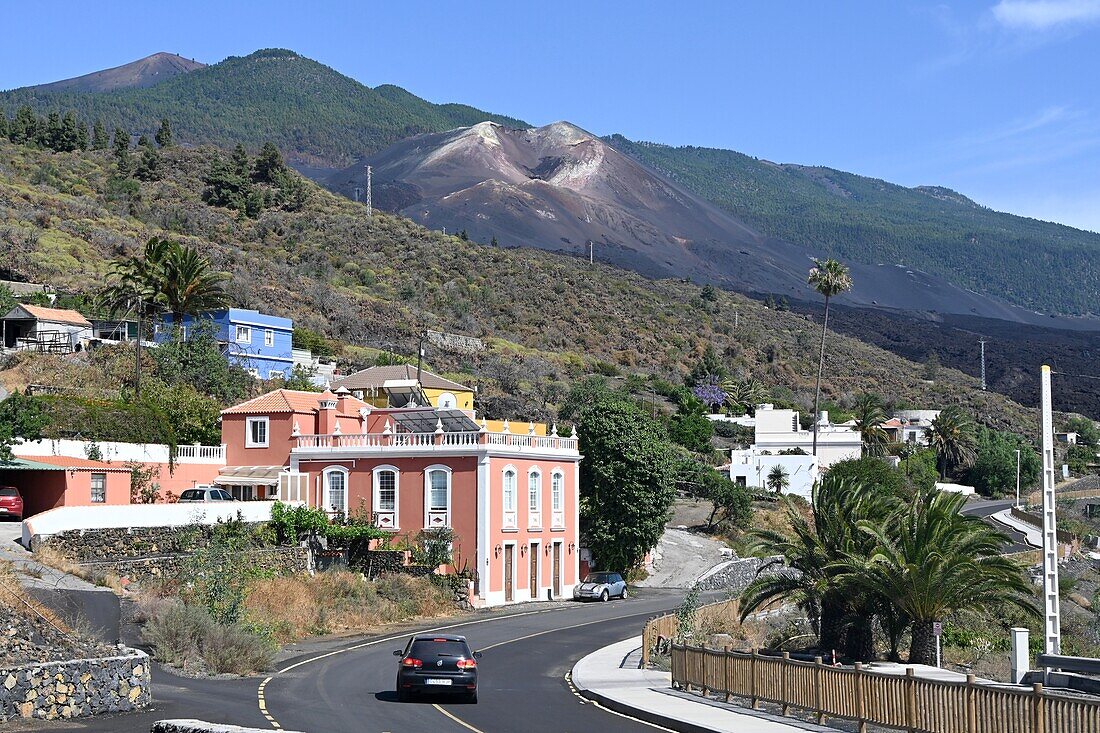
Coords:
pixel 235 650
pixel 187 637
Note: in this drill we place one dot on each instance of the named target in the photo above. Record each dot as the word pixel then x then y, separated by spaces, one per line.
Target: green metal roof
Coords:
pixel 22 464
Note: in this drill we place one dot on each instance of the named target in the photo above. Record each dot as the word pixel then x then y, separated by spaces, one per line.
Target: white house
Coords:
pixel 751 468
pixel 779 430
pixel 45 329
pixel 915 425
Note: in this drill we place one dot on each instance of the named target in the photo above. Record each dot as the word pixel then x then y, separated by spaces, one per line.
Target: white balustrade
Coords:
pixel 437 441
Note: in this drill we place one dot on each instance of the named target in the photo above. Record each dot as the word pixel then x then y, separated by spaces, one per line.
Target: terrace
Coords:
pixel 391 440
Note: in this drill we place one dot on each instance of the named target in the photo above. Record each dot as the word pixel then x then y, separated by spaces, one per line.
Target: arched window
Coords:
pixel 336 490
pixel 534 498
pixel 385 501
pixel 509 500
pixel 437 496
pixel 557 491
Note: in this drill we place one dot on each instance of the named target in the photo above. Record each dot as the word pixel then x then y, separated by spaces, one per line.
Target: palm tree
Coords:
pixel 813 554
pixel 829 278
pixel 869 416
pixel 169 277
pixel 744 394
pixel 777 479
pixel 953 437
pixel 931 561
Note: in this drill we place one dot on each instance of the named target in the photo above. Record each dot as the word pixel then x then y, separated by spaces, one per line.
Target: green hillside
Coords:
pixel 313 113
pixel 1039 265
pixel 373 284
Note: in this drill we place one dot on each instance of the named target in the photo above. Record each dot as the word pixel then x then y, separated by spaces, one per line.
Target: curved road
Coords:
pixel 349 687
pixel 985 508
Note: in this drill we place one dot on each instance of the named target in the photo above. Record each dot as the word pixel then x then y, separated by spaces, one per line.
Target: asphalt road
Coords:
pixel 349 686
pixel 987 507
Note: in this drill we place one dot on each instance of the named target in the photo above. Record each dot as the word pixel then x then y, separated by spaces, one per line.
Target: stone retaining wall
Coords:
pixel 280 560
pixel 76 688
pixel 89 545
pixel 737 574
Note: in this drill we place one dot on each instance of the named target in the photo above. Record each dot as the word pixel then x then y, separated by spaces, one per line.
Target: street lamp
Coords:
pixel 1017 478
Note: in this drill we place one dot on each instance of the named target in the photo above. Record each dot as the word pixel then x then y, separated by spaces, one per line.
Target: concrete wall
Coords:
pixel 76 688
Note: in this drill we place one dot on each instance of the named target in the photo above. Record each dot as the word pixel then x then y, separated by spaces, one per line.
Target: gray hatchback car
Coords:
pixel 191 496
pixel 600 586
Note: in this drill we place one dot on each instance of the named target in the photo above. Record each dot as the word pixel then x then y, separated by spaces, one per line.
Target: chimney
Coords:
pixel 326 413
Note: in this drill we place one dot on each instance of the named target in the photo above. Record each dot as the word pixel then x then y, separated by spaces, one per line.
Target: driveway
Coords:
pixel 681 557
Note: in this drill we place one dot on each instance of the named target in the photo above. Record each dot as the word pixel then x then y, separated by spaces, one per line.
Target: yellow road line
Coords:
pixel 458 720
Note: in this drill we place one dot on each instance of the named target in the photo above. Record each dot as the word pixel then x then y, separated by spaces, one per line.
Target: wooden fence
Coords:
pixel 666 627
pixel 904 702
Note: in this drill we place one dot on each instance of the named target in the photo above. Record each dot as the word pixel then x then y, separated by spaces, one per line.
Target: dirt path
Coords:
pixel 681 557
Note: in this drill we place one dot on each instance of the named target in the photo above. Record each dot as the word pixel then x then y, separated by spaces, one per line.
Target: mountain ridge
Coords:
pixel 144 72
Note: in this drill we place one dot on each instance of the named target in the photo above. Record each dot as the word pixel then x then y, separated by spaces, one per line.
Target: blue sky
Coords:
pixel 995 98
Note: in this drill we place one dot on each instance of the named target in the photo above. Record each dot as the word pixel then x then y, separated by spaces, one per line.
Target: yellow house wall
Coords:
pixel 516 427
pixel 465 398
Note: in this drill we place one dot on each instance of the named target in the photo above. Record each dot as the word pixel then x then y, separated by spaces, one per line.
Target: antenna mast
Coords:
pixel 983 342
pixel 369 213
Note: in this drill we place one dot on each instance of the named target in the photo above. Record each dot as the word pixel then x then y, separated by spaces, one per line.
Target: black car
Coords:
pixel 437 663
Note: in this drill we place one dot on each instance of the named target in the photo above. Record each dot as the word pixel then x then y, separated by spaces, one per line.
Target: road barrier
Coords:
pixel 665 628
pixel 893 701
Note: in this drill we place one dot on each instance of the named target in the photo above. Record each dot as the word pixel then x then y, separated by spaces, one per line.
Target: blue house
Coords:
pixel 255 341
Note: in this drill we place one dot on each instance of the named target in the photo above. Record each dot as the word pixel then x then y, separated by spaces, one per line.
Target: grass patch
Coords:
pixel 332 602
pixel 188 638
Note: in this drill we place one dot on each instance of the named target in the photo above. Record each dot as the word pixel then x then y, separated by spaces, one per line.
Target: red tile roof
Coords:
pixel 289 400
pixel 55 314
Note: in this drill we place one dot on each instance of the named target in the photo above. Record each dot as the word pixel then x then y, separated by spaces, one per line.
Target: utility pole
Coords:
pixel 591 252
pixel 137 355
pixel 1052 639
pixel 358 190
pixel 1017 477
pixel 369 214
pixel 982 342
pixel 420 355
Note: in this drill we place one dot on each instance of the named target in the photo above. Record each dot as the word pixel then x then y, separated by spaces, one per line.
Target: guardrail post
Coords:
pixel 817 690
pixel 971 705
pixel 783 681
pixel 703 657
pixel 861 717
pixel 752 680
pixel 910 700
pixel 1038 709
pixel 726 672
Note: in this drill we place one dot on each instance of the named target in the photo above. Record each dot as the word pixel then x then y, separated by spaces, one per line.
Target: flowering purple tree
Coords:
pixel 710 392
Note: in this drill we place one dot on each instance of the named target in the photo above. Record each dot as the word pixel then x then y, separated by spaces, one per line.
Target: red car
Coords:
pixel 11 502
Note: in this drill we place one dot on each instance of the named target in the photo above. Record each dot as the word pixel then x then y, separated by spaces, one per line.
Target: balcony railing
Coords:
pixel 379 442
pixel 200 453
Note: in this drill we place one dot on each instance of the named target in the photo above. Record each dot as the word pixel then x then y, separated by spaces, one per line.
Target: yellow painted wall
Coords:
pixel 516 427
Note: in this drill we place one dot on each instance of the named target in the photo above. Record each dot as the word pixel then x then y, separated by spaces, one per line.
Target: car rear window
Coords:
pixel 8 491
pixel 191 494
pixel 426 648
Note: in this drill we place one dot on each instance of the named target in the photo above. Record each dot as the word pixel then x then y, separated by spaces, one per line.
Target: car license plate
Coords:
pixel 438 682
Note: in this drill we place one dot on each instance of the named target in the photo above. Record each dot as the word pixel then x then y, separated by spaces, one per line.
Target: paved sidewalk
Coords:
pixel 611 677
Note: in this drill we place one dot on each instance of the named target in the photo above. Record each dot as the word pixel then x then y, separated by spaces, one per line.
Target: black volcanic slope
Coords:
pixel 137 74
pixel 560 188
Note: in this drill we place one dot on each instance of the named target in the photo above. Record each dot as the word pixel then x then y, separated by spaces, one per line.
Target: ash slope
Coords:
pixel 137 74
pixel 559 188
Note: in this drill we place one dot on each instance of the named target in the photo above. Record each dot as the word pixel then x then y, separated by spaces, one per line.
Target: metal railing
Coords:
pixel 893 701
pixel 395 440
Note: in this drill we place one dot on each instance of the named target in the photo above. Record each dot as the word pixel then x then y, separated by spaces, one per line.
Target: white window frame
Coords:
pixel 557 490
pixel 242 334
pixel 376 496
pixel 269 337
pixel 249 422
pixel 103 488
pixel 532 474
pixel 510 512
pixel 326 486
pixel 428 510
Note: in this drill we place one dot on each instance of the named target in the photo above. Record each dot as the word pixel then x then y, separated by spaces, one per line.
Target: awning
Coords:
pixel 249 476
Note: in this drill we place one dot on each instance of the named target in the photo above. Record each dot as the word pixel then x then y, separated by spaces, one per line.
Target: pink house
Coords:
pixel 510 497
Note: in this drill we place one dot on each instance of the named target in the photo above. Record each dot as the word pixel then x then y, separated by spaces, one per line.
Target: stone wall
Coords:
pixel 76 688
pixel 735 575
pixel 87 545
pixel 280 560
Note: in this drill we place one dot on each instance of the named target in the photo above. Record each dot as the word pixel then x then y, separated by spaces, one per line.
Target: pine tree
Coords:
pixel 269 167
pixel 82 136
pixel 148 165
pixel 69 138
pixel 122 152
pixel 4 127
pixel 239 162
pixel 143 142
pixel 100 140
pixel 24 128
pixel 164 134
pixel 49 135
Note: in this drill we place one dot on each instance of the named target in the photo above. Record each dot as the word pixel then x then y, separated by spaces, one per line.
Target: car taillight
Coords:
pixel 467 664
pixel 410 662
